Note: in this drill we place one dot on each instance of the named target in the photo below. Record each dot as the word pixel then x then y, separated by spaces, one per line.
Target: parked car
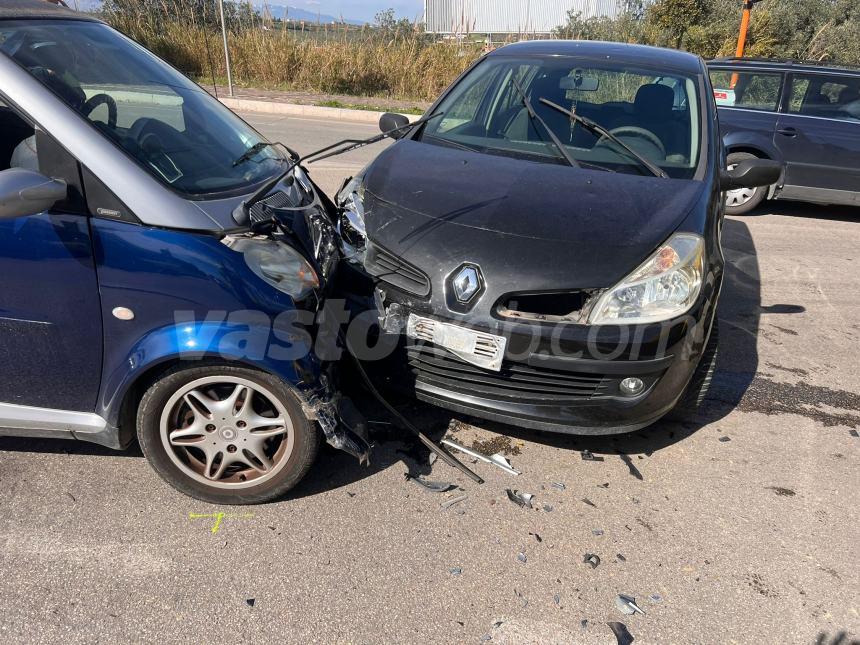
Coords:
pixel 548 244
pixel 805 115
pixel 134 302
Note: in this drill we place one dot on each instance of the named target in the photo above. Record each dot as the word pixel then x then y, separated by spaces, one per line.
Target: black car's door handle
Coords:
pixel 788 132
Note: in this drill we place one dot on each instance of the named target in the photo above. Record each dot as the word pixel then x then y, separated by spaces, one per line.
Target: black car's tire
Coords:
pixel 743 200
pixel 698 387
pixel 212 406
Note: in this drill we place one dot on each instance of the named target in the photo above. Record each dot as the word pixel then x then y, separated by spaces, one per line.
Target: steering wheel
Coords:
pixel 633 131
pixel 94 101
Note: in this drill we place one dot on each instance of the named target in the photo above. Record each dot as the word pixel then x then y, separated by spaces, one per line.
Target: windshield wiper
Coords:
pixel 536 117
pixel 256 149
pixel 242 213
pixel 595 127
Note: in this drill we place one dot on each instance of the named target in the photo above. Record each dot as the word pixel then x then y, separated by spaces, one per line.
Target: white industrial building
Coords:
pixel 508 16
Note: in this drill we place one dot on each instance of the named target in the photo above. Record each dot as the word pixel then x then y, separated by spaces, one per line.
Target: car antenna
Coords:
pixel 242 213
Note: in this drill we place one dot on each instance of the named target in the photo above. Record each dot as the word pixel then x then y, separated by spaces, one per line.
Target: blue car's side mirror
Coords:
pixel 26 192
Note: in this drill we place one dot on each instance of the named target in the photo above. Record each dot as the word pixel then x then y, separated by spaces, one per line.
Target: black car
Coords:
pixel 546 247
pixel 806 115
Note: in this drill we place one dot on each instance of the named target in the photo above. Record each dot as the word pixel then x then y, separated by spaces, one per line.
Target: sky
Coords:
pixel 358 9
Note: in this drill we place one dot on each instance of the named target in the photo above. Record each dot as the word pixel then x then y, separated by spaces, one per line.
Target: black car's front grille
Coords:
pixel 394 270
pixel 516 382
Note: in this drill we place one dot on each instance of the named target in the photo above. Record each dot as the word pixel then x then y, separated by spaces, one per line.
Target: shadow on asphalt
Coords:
pixel 807 211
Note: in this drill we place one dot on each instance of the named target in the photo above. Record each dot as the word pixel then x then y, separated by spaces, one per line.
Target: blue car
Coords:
pixel 143 293
pixel 804 115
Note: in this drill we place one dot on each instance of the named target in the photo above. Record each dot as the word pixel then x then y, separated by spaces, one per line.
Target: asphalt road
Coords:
pixel 739 528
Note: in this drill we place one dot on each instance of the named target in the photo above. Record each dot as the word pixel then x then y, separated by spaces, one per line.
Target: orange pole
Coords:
pixel 742 37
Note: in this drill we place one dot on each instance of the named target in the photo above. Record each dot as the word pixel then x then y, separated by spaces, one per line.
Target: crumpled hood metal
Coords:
pixel 529 226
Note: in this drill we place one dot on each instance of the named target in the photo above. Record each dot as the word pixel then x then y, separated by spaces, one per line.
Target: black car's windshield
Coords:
pixel 656 115
pixel 169 125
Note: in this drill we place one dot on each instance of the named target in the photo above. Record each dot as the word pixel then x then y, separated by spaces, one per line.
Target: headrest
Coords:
pixel 654 99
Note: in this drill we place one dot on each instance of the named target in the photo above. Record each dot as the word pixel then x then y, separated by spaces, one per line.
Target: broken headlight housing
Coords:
pixel 665 286
pixel 350 225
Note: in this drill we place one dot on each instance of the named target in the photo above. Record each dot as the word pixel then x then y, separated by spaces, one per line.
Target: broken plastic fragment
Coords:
pixel 622 634
pixel 589 502
pixel 454 500
pixel 522 557
pixel 456 571
pixel 725 439
pixel 557 599
pixel 496 459
pixel 621 557
pixel 435 487
pixel 523 600
pixel 627 604
pixel 523 500
pixel 591 559
pixel 250 602
pixel 536 536
pixel 558 485
pixel 597 532
pixel 547 508
pixel 633 469
pixel 655 598
pixel 587 455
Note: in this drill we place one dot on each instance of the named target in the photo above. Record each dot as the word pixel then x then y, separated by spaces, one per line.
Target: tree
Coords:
pixel 672 19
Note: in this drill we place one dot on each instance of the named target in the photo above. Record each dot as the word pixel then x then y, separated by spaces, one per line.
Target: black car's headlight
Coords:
pixel 350 226
pixel 665 286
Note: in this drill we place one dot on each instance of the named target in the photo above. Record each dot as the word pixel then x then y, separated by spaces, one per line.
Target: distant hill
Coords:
pixel 294 13
pixel 278 11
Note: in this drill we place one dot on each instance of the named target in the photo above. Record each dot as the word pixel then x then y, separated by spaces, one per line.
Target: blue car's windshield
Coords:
pixel 657 115
pixel 169 125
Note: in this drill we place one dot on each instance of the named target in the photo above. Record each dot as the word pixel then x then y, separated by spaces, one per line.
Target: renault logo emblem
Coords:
pixel 466 282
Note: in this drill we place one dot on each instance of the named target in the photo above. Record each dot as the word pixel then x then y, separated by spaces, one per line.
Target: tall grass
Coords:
pixel 333 60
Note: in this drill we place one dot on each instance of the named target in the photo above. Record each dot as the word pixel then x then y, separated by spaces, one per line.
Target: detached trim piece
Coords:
pixel 594 366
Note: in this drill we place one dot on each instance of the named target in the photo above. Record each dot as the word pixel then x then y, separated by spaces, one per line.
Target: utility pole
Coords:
pixel 742 34
pixel 226 50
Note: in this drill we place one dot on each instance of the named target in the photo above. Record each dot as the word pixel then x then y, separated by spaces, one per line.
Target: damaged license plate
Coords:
pixel 476 347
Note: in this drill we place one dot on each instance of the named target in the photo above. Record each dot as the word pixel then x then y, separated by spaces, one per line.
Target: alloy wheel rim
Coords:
pixel 738 196
pixel 227 432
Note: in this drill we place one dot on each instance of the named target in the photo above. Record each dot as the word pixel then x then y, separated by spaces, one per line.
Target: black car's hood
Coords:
pixel 528 225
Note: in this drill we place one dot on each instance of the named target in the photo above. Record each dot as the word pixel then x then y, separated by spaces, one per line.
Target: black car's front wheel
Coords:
pixel 226 435
pixel 697 389
pixel 741 201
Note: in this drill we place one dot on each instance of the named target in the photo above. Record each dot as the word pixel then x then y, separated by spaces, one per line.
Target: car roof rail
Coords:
pixel 787 62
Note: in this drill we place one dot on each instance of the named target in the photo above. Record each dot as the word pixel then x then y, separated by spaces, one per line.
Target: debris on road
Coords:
pixel 621 557
pixel 558 485
pixel 495 459
pixel 536 536
pixel 250 602
pixel 606 485
pixel 500 443
pixel 591 559
pixel 432 486
pixel 547 508
pixel 655 598
pixel 622 634
pixel 522 557
pixel 724 439
pixel 523 500
pixel 627 604
pixel 587 455
pixel 456 571
pixel 454 500
pixel 589 502
pixel 633 469
pixel 597 532
pixel 523 600
pixel 557 599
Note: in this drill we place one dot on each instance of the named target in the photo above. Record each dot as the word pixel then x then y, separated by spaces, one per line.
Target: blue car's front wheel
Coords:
pixel 226 435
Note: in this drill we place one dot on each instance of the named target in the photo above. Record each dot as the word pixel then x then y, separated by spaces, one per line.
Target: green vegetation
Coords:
pixel 395 59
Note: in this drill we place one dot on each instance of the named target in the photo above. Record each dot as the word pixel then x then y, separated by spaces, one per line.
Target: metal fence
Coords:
pixel 508 16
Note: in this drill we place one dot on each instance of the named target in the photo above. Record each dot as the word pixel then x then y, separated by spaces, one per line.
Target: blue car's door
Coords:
pixel 818 136
pixel 50 316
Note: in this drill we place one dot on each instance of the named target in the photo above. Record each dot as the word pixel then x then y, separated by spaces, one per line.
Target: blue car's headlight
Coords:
pixel 280 265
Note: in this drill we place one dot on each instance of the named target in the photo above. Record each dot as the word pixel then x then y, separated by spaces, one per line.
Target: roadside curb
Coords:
pixel 307 111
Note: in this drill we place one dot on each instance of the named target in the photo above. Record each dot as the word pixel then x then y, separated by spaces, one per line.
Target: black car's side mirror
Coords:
pixel 26 192
pixel 751 173
pixel 391 121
